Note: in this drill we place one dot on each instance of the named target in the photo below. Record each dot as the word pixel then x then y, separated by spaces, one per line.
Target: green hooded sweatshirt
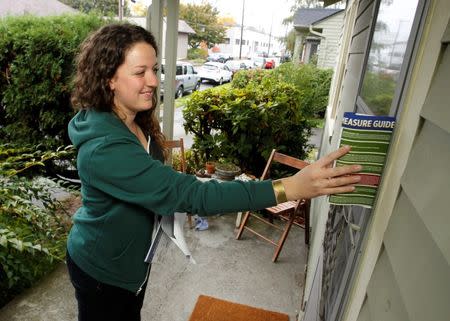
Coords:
pixel 122 187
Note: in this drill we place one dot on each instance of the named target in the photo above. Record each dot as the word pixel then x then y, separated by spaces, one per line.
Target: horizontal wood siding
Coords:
pixel 362 27
pixel 384 300
pixel 438 109
pixel 427 183
pixel 364 18
pixel 332 29
pixel 419 268
pixel 364 314
pixel 359 42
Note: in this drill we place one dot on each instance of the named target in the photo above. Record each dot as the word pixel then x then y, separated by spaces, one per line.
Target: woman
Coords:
pixel 124 181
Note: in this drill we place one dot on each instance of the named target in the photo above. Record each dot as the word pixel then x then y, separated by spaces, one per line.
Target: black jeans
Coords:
pixel 98 301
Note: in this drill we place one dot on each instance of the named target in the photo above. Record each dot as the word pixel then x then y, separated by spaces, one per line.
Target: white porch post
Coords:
pixel 170 66
pixel 154 25
pixel 298 47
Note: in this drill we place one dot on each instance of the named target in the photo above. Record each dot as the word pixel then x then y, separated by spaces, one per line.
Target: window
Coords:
pixel 238 41
pixel 227 41
pixel 190 70
pixel 179 70
pixel 387 56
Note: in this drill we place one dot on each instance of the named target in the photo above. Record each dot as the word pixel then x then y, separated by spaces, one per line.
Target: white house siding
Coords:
pixel 254 42
pixel 329 45
pixel 182 47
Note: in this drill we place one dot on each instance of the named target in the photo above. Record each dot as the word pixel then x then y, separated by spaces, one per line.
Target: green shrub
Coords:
pixel 197 53
pixel 32 233
pixel 243 125
pixel 312 83
pixel 33 227
pixel 37 64
pixel 243 77
pixel 31 161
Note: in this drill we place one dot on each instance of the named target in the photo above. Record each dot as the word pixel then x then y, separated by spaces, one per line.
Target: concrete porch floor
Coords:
pixel 239 271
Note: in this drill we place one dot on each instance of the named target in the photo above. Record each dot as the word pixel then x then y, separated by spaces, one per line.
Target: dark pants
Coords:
pixel 98 301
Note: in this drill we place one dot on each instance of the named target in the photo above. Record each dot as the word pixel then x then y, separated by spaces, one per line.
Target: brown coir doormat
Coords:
pixel 211 309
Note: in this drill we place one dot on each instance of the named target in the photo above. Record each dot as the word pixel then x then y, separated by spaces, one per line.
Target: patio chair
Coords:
pixel 291 212
pixel 178 143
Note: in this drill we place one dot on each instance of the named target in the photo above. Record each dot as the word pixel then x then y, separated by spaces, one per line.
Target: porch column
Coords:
pixel 154 24
pixel 170 66
pixel 297 47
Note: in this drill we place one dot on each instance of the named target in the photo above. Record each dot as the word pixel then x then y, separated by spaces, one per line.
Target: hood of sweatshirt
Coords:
pixel 90 124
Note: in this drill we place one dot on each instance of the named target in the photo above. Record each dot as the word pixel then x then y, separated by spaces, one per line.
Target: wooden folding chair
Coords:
pixel 178 143
pixel 293 212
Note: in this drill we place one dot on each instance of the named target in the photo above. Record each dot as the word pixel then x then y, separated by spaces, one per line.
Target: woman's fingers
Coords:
pixel 339 190
pixel 343 180
pixel 341 170
pixel 331 157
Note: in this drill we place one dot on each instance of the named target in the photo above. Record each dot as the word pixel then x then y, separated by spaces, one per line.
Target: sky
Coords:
pixel 261 14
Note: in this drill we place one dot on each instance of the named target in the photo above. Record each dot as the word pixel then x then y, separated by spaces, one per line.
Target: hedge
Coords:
pixel 37 64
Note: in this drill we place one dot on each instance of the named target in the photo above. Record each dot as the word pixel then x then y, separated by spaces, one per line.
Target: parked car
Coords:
pixel 219 57
pixel 186 79
pixel 236 65
pixel 215 71
pixel 259 62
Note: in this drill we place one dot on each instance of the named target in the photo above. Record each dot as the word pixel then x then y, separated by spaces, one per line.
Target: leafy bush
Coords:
pixel 37 64
pixel 32 234
pixel 197 53
pixel 243 77
pixel 33 227
pixel 190 161
pixel 243 125
pixel 312 83
pixel 31 161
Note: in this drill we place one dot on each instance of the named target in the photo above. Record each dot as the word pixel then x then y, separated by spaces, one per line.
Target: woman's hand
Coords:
pixel 320 178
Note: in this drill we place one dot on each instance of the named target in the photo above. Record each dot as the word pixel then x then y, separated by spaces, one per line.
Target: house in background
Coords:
pixel 33 7
pixel 184 30
pixel 390 262
pixel 254 43
pixel 317 33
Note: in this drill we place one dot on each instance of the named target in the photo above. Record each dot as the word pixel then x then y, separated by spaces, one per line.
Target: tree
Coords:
pixel 139 9
pixel 289 41
pixel 104 7
pixel 203 19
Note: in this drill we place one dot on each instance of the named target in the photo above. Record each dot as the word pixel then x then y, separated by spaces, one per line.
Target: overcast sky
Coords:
pixel 261 14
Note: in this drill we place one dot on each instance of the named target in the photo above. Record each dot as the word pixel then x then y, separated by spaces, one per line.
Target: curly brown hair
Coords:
pixel 100 55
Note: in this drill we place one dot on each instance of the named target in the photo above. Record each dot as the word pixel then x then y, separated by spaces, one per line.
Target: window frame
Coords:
pixel 403 77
